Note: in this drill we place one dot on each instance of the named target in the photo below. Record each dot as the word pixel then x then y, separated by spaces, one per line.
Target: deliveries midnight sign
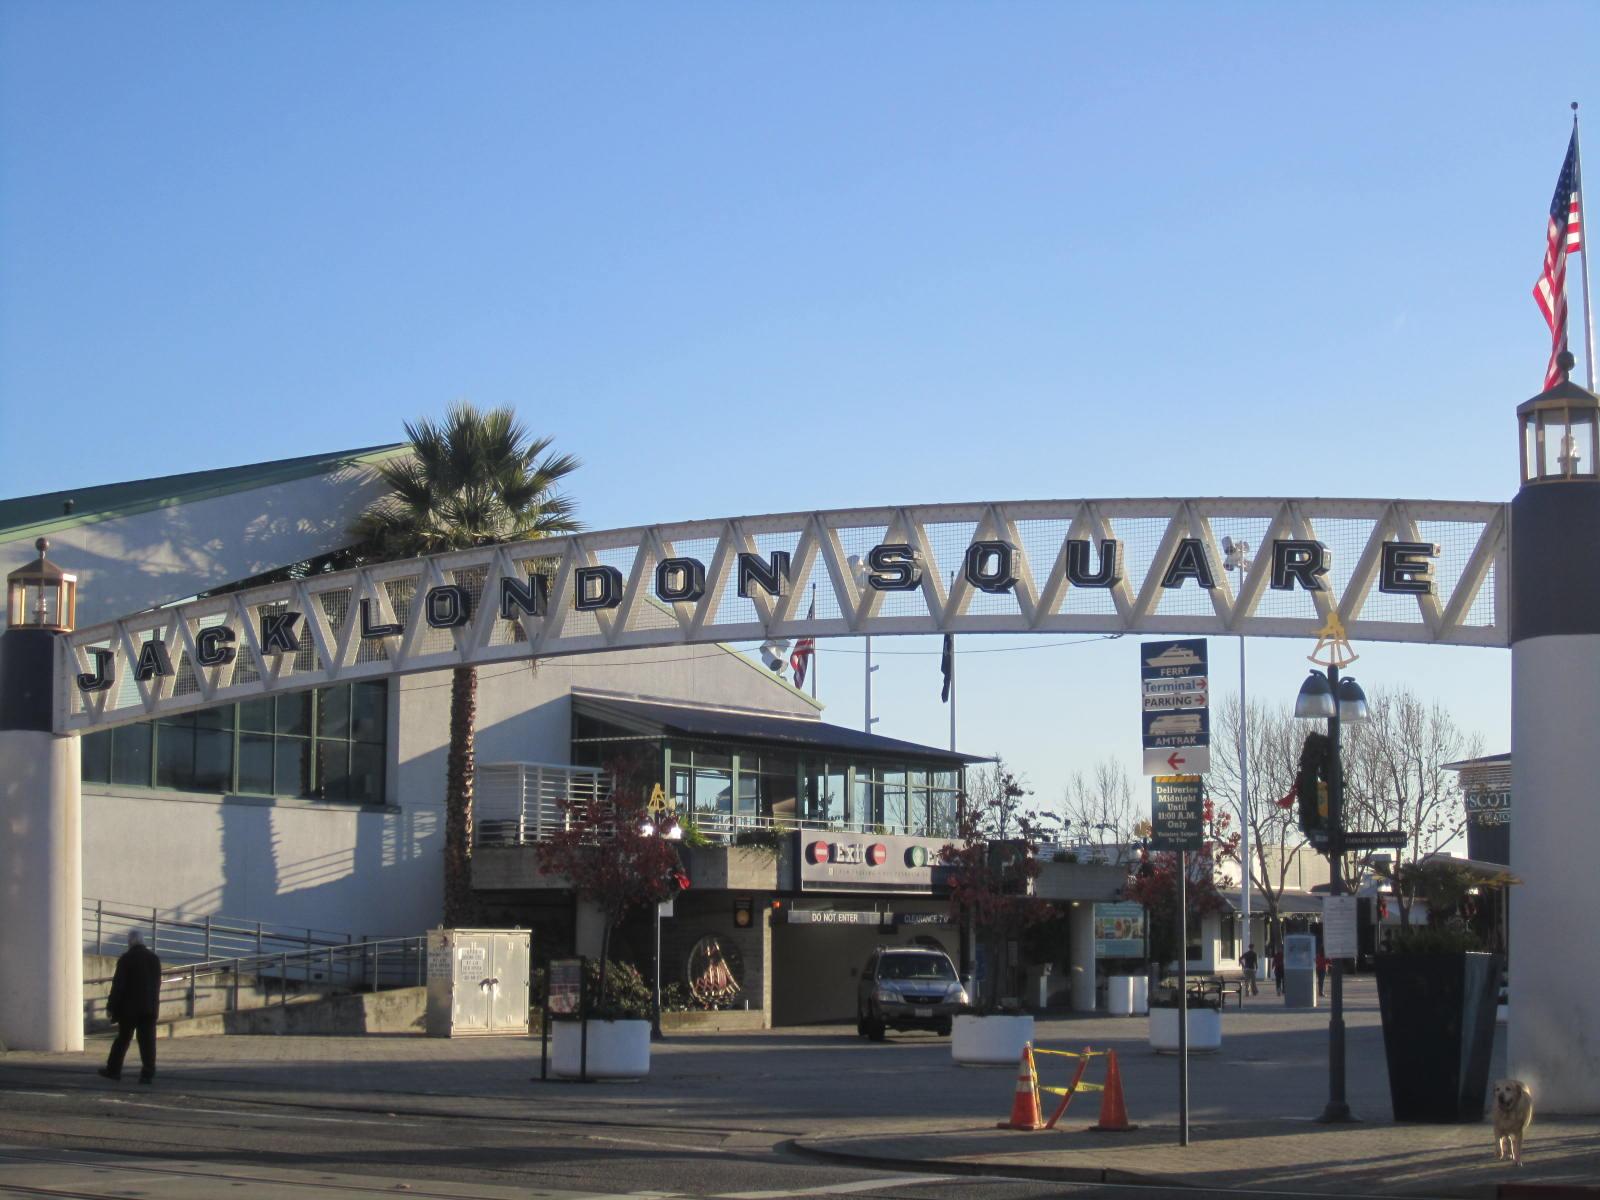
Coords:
pixel 1177 812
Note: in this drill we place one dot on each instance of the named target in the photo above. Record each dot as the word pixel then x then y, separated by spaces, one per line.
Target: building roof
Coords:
pixel 726 724
pixel 1289 903
pixel 28 516
pixel 1488 760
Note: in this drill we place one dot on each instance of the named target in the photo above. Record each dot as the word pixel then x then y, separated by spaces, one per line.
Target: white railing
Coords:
pixel 519 803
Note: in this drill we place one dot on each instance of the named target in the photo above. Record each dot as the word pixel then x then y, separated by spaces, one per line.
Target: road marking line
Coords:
pixel 20 1092
pixel 271 1116
pixel 839 1189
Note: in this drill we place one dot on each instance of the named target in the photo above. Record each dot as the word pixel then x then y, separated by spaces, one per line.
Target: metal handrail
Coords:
pixel 375 964
pixel 181 936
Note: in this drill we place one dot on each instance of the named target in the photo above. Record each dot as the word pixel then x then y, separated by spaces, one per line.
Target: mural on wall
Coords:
pixel 716 971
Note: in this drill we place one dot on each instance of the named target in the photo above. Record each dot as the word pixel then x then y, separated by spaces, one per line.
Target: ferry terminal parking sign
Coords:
pixel 1176 720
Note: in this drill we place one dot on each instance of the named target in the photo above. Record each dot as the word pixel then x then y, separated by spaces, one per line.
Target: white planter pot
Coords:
pixel 1205 1030
pixel 989 1041
pixel 1127 995
pixel 617 1049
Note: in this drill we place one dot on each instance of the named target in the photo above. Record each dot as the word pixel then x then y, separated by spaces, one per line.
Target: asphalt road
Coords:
pixel 714 1119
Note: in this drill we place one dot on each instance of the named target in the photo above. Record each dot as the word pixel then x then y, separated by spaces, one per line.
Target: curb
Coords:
pixel 957 1166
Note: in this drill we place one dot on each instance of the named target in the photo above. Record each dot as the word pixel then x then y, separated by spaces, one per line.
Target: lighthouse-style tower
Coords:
pixel 1554 1022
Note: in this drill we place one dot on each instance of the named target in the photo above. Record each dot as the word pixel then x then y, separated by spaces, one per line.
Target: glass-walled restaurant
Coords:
pixel 729 772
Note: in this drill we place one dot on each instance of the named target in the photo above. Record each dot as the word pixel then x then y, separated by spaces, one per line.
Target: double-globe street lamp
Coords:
pixel 1317 701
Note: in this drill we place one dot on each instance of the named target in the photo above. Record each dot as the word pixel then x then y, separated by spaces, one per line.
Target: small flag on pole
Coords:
pixel 1563 236
pixel 803 650
pixel 947 665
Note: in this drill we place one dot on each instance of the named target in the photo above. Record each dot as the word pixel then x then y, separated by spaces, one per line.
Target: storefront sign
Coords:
pixel 1118 930
pixel 1489 824
pixel 840 861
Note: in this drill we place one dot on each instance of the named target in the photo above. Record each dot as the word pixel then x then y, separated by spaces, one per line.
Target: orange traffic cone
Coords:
pixel 1113 1112
pixel 1025 1105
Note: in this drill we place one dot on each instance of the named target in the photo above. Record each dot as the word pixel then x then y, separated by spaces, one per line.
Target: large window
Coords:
pixel 327 744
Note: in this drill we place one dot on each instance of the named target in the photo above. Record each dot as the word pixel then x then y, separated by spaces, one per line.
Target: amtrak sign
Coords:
pixel 1423 571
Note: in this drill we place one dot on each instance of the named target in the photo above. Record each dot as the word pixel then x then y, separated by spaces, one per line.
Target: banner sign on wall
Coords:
pixel 1119 930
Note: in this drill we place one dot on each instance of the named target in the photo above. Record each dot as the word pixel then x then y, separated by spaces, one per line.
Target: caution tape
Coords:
pixel 1072 1053
pixel 1082 1087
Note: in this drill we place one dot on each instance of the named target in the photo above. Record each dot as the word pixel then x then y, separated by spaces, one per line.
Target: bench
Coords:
pixel 1211 985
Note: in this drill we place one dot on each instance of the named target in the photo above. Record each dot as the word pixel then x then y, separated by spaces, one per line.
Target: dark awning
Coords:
pixel 801 733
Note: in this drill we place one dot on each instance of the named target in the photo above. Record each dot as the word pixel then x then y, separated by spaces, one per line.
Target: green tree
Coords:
pixel 474 479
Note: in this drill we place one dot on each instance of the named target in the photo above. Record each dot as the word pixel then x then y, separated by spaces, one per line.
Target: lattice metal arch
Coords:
pixel 1465 606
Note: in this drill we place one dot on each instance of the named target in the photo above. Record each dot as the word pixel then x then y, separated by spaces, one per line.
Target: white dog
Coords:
pixel 1513 1113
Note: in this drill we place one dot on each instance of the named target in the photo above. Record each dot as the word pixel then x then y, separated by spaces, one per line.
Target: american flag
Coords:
pixel 1563 236
pixel 803 650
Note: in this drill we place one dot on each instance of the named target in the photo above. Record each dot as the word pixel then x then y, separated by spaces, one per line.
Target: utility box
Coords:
pixel 1300 970
pixel 477 982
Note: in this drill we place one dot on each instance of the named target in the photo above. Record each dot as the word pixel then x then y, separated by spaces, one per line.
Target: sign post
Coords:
pixel 1175 691
pixel 1177 820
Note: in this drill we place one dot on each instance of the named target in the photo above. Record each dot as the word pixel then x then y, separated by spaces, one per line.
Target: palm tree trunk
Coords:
pixel 458 797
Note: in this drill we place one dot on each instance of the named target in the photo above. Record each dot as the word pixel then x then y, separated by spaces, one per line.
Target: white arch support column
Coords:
pixel 41 856
pixel 1553 1028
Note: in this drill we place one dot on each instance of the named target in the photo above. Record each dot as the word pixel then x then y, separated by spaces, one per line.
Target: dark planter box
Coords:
pixel 1438 1033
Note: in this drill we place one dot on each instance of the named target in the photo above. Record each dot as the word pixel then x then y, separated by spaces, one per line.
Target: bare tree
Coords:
pixel 1393 776
pixel 1272 752
pixel 997 792
pixel 1097 806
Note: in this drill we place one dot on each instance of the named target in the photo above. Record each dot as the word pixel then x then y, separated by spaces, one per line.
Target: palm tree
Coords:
pixel 474 479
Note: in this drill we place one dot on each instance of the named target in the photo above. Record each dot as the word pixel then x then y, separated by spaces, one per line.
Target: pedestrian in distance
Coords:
pixel 1322 969
pixel 134 1002
pixel 1248 961
pixel 1277 968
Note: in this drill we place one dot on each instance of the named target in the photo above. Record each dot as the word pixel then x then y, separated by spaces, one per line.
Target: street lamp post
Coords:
pixel 1326 695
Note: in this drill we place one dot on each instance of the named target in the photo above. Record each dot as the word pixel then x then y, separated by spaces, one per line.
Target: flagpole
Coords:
pixel 1588 313
pixel 952 681
pixel 814 656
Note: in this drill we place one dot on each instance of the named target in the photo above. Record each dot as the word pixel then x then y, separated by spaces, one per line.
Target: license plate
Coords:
pixel 922 1012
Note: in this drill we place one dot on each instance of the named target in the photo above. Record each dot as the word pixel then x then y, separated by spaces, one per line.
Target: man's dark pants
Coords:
pixel 145 1028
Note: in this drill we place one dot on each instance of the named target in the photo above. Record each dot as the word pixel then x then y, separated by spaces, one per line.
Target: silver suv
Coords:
pixel 907 988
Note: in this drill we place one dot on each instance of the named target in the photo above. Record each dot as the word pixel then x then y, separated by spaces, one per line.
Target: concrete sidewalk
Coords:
pixel 1366 1159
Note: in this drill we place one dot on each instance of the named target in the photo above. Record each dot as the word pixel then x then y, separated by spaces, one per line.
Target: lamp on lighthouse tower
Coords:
pixel 40 595
pixel 1560 432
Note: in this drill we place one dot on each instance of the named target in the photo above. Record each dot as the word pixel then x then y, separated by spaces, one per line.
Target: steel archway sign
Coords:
pixel 1393 570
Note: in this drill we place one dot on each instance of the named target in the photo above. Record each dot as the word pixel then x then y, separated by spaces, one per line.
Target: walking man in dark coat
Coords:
pixel 135 1001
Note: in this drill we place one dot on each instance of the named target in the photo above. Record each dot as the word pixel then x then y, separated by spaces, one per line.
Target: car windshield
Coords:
pixel 916 966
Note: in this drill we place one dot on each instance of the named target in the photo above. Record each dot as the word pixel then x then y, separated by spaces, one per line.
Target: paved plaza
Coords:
pixel 902 1106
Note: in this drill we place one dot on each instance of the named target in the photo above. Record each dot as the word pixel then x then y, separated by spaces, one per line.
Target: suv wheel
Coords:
pixel 943 1029
pixel 875 1030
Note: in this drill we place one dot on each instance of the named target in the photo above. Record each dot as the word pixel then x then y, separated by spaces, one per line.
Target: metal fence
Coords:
pixel 181 937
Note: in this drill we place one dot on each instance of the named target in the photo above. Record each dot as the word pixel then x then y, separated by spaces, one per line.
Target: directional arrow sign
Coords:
pixel 1184 760
pixel 1176 724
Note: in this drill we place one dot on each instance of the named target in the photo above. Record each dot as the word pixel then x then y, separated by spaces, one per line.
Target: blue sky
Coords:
pixel 752 258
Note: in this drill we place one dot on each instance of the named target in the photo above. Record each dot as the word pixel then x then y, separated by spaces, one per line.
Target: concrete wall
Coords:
pixel 326 866
pixel 377 870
